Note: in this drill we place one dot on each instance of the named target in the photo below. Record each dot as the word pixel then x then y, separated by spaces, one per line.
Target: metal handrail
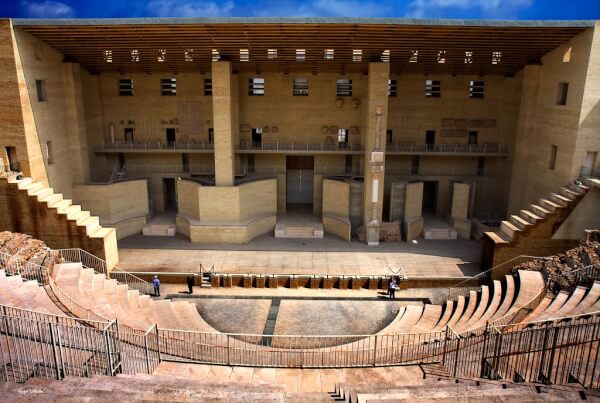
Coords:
pixel 154 145
pixel 488 148
pixel 87 260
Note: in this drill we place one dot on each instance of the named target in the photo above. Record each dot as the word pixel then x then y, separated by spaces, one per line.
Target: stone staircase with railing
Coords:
pixel 530 231
pixel 38 210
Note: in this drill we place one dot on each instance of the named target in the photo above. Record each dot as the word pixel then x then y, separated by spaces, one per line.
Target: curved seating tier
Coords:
pixel 25 294
pixel 112 300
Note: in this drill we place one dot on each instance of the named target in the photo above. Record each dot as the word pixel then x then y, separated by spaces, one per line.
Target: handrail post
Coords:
pixel 157 342
pixel 147 353
pixel 54 353
pixel 375 351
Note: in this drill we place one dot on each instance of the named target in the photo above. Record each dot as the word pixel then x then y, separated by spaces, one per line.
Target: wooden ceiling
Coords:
pixel 87 42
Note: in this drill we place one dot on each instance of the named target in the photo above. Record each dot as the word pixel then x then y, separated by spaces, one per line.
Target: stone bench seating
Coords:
pixel 589 300
pixel 448 308
pixel 404 321
pixel 114 301
pixel 431 316
pixel 26 295
pixel 580 301
pixel 490 309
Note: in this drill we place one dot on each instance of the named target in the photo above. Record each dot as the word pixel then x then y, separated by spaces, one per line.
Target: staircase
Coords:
pixel 530 231
pixel 439 233
pixel 39 211
pixel 159 229
pixel 296 231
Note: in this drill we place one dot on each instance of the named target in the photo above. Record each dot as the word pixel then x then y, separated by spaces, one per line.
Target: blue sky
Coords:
pixel 492 9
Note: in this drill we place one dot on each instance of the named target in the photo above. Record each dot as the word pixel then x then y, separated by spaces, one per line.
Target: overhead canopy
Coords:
pixel 307 45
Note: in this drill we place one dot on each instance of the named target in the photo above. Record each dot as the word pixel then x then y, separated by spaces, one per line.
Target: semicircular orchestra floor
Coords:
pixel 299 316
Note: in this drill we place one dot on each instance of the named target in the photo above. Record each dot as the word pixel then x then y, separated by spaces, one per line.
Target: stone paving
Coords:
pixel 295 380
pixel 425 258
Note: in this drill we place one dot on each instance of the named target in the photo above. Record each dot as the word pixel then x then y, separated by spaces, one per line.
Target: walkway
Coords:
pixel 267 255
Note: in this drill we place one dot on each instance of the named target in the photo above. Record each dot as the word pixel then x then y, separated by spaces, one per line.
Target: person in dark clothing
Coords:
pixel 156 284
pixel 392 288
pixel 190 284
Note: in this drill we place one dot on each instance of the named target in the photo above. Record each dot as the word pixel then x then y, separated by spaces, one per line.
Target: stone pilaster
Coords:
pixel 375 129
pixel 223 120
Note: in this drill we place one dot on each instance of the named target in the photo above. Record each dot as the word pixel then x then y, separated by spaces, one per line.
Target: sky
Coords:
pixel 468 9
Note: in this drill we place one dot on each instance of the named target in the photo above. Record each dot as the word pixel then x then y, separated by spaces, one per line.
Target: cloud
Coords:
pixel 486 8
pixel 179 8
pixel 47 9
pixel 325 8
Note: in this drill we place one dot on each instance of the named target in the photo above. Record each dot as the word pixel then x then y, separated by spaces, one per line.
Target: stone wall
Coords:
pixel 121 205
pixel 543 123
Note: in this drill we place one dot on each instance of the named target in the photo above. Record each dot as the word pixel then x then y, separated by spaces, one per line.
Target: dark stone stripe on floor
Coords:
pixel 380 298
pixel 269 329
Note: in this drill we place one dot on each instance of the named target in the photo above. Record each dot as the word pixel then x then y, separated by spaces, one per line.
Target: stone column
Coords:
pixel 459 209
pixel 413 211
pixel 375 129
pixel 223 120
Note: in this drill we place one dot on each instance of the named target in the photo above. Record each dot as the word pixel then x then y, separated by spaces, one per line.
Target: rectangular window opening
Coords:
pixel 300 87
pixel 468 57
pixel 357 55
pixel 496 57
pixel 162 55
pixel 256 86
pixel 300 55
pixel 135 55
pixel 392 88
pixel 433 88
pixel 168 86
pixel 208 87
pixel 344 87
pixel 414 56
pixel 441 57
pixel 553 153
pixel 40 86
pixel 563 90
pixel 329 54
pixel 342 137
pixel 476 89
pixel 480 166
pixel 188 55
pixel 211 135
pixel 389 138
pixel 125 87
pixel 244 55
pixel 49 153
pixel 385 56
pixel 272 53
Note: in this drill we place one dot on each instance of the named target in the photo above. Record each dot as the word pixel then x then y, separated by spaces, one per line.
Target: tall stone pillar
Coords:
pixel 459 209
pixel 223 120
pixel 375 130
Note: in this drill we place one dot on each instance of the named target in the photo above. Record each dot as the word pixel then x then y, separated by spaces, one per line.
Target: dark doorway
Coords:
pixel 170 135
pixel 211 135
pixel 430 137
pixel 473 137
pixel 299 179
pixel 121 162
pixel 342 138
pixel 185 162
pixel 388 137
pixel 128 134
pixel 13 162
pixel 430 190
pixel 170 194
pixel 257 137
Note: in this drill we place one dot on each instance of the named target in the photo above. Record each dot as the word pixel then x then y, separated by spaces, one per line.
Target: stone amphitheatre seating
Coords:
pixel 115 301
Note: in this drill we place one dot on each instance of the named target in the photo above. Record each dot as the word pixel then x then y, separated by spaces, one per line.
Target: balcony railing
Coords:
pixel 155 145
pixel 298 147
pixel 488 148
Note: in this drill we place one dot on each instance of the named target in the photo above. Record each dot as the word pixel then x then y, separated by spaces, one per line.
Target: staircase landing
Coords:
pixel 299 224
pixel 437 228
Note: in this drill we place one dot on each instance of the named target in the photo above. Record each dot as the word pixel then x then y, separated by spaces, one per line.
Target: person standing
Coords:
pixel 190 284
pixel 156 283
pixel 392 288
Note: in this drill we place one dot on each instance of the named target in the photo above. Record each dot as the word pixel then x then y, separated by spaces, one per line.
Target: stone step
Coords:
pixel 539 210
pixel 42 193
pixel 24 182
pixel 440 233
pixel 61 206
pixel 549 205
pixel 519 222
pixel 51 199
pixel 159 230
pixel 529 216
pixel 567 192
pixel 509 229
pixel 560 199
pixel 33 187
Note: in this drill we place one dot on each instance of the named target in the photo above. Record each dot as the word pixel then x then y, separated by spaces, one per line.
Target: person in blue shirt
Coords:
pixel 156 283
